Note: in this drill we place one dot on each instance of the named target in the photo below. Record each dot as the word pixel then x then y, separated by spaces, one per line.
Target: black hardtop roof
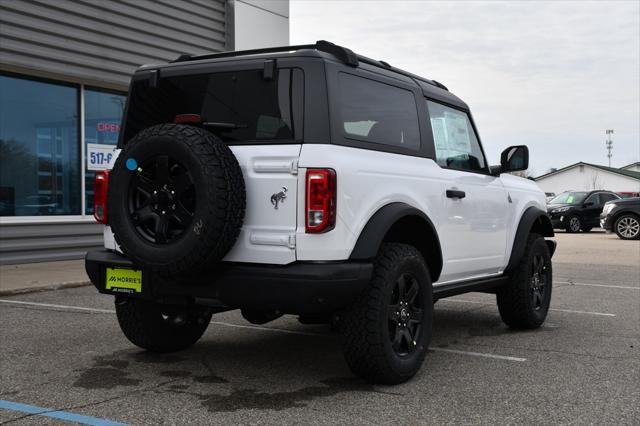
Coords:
pixel 326 51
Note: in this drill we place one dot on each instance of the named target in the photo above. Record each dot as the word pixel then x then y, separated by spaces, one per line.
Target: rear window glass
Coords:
pixel 378 113
pixel 248 107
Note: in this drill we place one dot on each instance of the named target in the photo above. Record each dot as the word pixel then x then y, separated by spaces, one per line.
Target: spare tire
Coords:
pixel 176 199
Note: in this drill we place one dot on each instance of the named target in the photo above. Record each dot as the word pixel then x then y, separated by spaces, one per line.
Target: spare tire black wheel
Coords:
pixel 176 199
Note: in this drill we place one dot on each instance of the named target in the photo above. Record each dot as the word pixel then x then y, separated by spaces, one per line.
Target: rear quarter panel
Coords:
pixel 367 180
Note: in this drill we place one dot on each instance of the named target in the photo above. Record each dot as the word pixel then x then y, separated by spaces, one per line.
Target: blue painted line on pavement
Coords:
pixel 54 414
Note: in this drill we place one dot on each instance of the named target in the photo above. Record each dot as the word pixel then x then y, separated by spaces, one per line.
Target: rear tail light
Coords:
pixel 320 200
pixel 100 189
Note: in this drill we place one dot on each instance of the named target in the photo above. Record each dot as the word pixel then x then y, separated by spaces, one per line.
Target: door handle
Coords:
pixel 454 193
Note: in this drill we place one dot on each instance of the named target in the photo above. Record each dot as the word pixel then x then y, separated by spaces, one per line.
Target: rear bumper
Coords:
pixel 300 287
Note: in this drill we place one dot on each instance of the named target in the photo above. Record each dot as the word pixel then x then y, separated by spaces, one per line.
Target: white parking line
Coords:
pixel 277 330
pixel 484 355
pixel 49 305
pixel 604 314
pixel 253 327
pixel 598 285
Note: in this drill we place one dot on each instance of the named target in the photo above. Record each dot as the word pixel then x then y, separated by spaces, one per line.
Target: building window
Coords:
pixel 102 118
pixel 39 149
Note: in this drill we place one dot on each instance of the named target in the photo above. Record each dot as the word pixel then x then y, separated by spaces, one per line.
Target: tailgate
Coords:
pixel 271 180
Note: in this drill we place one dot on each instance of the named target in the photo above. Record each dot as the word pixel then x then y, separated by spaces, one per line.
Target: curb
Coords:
pixel 48 287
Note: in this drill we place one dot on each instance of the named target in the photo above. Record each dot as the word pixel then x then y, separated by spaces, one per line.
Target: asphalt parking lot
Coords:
pixel 63 350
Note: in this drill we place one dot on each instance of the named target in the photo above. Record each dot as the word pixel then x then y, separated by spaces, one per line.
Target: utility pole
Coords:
pixel 609 144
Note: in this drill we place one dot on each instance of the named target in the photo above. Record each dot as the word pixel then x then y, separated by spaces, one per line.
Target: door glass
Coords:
pixel 456 144
pixel 607 197
pixel 594 198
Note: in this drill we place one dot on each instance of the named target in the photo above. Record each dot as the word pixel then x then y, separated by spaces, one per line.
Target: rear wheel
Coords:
pixel 161 328
pixel 627 227
pixel 386 333
pixel 524 301
pixel 573 224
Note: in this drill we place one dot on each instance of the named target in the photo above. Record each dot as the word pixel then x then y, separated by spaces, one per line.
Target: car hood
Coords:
pixel 551 207
pixel 626 202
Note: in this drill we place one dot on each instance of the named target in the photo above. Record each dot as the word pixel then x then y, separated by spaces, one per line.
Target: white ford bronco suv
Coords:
pixel 313 181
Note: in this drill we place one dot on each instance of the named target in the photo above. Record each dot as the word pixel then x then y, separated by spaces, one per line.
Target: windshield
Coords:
pixel 570 198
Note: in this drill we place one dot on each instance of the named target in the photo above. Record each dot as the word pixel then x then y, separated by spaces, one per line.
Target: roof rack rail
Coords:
pixel 341 53
pixel 385 65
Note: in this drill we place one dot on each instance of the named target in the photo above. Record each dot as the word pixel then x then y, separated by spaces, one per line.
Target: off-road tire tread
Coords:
pixel 227 199
pixel 512 298
pixel 140 323
pixel 362 339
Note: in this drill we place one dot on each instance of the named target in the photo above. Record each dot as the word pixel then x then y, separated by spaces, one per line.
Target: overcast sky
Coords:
pixel 551 75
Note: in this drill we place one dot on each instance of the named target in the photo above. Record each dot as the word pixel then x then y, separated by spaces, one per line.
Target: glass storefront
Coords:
pixel 41 169
pixel 102 118
pixel 39 149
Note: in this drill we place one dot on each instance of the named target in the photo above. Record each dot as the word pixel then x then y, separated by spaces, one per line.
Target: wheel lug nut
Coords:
pixel 163 212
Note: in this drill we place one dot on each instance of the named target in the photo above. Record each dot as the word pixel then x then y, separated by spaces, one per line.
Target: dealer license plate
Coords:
pixel 121 280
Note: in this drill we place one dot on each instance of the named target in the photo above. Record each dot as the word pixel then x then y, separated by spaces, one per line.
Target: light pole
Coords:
pixel 609 144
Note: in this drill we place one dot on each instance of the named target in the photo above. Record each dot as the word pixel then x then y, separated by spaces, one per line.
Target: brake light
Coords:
pixel 187 118
pixel 100 189
pixel 320 200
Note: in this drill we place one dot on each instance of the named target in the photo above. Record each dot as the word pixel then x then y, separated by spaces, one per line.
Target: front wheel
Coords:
pixel 627 227
pixel 161 328
pixel 524 301
pixel 573 224
pixel 386 333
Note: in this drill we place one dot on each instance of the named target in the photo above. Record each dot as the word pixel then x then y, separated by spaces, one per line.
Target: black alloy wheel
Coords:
pixel 387 331
pixel 538 281
pixel 405 315
pixel 161 201
pixel 524 300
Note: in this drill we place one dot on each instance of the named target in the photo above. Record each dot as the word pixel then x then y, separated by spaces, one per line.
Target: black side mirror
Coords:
pixel 514 159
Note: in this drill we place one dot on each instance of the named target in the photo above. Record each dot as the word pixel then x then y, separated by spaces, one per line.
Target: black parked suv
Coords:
pixel 576 211
pixel 622 217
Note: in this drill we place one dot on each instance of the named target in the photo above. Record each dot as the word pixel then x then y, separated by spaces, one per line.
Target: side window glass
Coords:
pixel 594 198
pixel 378 113
pixel 607 197
pixel 455 141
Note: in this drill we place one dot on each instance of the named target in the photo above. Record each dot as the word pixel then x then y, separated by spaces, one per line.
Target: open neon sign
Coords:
pixel 108 127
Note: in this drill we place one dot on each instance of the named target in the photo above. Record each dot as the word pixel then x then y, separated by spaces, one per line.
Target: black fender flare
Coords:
pixel 380 223
pixel 532 218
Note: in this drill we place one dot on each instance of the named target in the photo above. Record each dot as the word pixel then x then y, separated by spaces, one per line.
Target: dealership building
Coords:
pixel 64 70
